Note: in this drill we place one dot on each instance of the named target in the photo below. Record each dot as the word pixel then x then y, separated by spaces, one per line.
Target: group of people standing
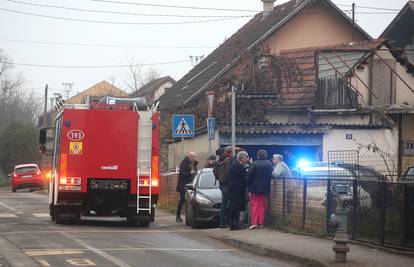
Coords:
pixel 237 175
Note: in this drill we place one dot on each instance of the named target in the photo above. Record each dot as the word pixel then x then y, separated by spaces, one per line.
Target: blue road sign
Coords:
pixel 211 125
pixel 182 126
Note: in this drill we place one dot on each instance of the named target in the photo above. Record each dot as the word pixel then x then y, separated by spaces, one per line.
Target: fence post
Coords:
pixel 328 204
pixel 404 217
pixel 354 206
pixel 382 213
pixel 305 185
pixel 284 200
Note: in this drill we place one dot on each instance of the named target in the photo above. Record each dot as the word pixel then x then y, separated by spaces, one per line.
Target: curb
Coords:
pixel 13 256
pixel 269 252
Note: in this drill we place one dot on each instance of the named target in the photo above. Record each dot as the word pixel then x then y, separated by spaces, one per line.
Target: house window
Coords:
pixel 408 147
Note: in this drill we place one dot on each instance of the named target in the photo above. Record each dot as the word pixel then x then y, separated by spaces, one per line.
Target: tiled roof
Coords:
pixel 289 128
pixel 98 90
pixel 227 55
pixel 152 85
pixel 408 7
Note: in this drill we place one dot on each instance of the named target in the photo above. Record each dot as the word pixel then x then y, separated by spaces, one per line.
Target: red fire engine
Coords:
pixel 105 162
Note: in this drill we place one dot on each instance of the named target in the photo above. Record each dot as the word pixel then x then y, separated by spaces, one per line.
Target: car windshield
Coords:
pixel 26 169
pixel 410 171
pixel 207 181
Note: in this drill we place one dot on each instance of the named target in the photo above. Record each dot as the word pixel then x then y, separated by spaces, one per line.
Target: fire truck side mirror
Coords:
pixel 42 136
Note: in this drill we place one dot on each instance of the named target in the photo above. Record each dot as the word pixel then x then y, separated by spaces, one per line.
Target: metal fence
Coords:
pixel 380 212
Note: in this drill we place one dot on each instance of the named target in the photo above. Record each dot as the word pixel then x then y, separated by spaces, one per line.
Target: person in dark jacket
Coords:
pixel 237 189
pixel 188 169
pixel 211 162
pixel 258 181
pixel 225 159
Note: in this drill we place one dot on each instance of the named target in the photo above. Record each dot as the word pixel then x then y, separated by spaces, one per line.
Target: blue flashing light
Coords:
pixel 302 163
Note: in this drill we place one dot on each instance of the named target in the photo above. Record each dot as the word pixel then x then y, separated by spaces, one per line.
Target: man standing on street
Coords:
pixel 221 172
pixel 188 169
pixel 281 170
pixel 237 189
pixel 259 178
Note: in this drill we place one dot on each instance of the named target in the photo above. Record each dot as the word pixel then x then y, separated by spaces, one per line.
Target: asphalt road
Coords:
pixel 29 238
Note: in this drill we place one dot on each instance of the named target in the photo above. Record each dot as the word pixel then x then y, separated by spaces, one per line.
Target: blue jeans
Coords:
pixel 224 208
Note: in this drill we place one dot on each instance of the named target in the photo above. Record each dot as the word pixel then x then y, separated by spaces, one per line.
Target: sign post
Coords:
pixel 210 120
pixel 233 119
pixel 182 126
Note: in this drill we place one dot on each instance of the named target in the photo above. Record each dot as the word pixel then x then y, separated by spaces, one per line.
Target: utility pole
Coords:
pixel 68 88
pixel 353 22
pixel 45 109
pixel 233 119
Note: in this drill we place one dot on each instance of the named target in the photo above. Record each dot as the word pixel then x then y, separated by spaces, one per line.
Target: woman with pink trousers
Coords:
pixel 259 177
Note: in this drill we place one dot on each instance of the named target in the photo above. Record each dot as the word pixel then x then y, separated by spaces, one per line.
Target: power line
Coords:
pixel 104 45
pixel 371 7
pixel 115 22
pixel 124 13
pixel 180 7
pixel 95 66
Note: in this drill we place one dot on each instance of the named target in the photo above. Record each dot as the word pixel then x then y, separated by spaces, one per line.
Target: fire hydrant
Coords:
pixel 340 221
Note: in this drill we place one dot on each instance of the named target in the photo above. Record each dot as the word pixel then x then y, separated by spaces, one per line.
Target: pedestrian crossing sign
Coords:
pixel 182 126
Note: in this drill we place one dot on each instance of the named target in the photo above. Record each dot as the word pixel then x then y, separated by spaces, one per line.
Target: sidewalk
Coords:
pixel 310 251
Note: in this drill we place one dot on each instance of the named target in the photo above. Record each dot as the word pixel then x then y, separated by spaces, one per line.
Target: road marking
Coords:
pixel 102 231
pixel 81 262
pixel 43 263
pixel 8 207
pixel 41 215
pixel 52 252
pixel 45 252
pixel 8 215
pixel 101 253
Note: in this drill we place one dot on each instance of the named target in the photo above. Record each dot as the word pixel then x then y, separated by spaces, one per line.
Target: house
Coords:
pixel 400 32
pixel 326 74
pixel 96 91
pixel 154 89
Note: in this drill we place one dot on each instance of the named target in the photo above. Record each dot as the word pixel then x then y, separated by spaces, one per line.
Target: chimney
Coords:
pixel 267 7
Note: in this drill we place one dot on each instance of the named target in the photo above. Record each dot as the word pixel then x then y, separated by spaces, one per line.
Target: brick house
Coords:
pixel 320 67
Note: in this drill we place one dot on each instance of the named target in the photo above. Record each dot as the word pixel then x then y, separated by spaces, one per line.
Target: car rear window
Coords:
pixel 207 180
pixel 26 169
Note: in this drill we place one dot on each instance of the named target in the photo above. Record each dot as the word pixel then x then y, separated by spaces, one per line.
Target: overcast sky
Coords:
pixel 84 43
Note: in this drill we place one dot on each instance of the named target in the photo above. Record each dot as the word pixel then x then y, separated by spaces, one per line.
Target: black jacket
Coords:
pixel 259 177
pixel 185 176
pixel 237 185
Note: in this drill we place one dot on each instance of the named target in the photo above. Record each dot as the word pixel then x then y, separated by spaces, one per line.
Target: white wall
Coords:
pixel 384 139
pixel 198 144
pixel 161 90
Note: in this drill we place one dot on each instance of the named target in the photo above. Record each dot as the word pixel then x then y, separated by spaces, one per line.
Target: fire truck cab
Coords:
pixel 105 162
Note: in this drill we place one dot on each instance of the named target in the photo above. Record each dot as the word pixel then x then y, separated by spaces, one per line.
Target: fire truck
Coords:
pixel 105 161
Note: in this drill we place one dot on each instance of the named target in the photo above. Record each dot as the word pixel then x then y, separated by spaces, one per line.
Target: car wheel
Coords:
pixel 144 223
pixel 193 220
pixel 14 190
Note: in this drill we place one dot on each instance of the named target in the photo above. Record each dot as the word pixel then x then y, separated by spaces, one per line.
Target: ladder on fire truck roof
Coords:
pixel 144 159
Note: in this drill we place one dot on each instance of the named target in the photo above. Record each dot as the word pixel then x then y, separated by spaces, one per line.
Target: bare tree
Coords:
pixel 136 77
pixel 16 106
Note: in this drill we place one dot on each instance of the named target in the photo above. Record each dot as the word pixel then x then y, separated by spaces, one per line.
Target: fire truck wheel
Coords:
pixel 14 190
pixel 144 223
pixel 132 221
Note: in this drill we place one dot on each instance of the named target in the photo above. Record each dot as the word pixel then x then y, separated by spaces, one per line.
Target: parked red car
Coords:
pixel 27 176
